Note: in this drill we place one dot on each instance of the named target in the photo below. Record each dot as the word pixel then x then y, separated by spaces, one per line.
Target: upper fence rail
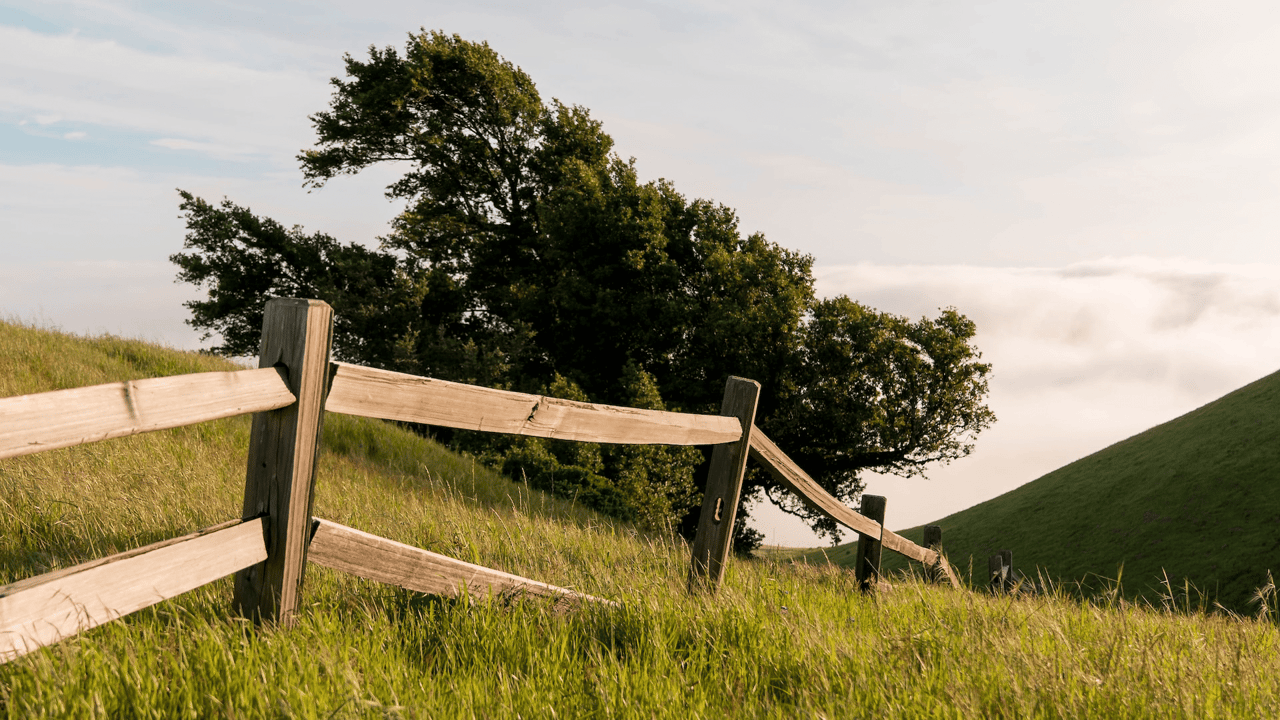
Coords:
pixel 358 390
pixel 62 418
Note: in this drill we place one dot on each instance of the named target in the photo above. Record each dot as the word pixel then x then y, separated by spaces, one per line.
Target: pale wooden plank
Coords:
pixel 785 471
pixel 376 558
pixel 42 610
pixel 283 446
pixel 724 488
pixel 357 390
pixel 44 421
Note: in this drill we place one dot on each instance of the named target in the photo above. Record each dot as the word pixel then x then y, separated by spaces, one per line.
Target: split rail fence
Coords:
pixel 267 549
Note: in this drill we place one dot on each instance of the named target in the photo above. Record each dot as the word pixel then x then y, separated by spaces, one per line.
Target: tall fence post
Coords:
pixel 933 541
pixel 867 567
pixel 724 487
pixel 283 445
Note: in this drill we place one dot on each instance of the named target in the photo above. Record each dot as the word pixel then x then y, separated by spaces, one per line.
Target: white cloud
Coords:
pixel 75 135
pixel 64 225
pixel 129 298
pixel 211 149
pixel 1082 356
pixel 215 103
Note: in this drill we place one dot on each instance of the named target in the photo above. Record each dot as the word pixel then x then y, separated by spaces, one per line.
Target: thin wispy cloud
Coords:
pixel 210 105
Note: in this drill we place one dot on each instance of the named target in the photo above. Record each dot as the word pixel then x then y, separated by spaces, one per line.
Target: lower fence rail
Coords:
pixel 42 610
pixel 377 558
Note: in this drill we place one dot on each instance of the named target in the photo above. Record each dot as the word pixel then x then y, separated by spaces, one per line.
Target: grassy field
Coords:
pixel 780 640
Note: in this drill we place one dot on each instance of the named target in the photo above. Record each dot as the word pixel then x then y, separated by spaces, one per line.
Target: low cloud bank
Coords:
pixel 1083 356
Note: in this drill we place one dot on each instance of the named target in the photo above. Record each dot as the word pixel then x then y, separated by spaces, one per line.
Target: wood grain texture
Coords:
pixel 785 471
pixel 62 418
pixel 42 610
pixel 724 488
pixel 867 563
pixel 376 558
pixel 283 447
pixel 357 390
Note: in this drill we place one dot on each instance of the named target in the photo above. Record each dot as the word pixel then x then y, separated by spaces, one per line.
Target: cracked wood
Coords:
pixel 62 418
pixel 377 558
pixel 44 609
pixel 358 390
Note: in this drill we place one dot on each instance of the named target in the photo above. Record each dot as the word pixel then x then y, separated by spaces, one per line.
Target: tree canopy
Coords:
pixel 530 256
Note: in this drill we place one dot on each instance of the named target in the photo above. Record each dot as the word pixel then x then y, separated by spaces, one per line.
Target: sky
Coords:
pixel 1093 183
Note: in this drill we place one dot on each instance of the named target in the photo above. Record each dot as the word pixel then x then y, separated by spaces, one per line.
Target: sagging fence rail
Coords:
pixel 268 548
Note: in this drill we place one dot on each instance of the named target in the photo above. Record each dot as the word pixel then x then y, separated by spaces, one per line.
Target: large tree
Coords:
pixel 528 255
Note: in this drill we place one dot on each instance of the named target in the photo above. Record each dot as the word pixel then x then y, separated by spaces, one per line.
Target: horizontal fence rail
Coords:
pixel 44 609
pixel 784 470
pixel 358 390
pixel 62 418
pixel 376 558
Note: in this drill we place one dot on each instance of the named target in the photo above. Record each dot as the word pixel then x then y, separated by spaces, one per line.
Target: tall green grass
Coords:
pixel 779 640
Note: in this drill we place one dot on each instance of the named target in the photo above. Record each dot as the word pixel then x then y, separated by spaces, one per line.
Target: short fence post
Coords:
pixel 283 447
pixel 724 488
pixel 933 541
pixel 1000 567
pixel 867 568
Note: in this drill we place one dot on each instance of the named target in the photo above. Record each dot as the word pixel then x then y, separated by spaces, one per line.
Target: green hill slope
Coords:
pixel 1197 498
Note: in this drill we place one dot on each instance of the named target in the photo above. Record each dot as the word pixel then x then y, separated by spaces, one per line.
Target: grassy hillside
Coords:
pixel 1197 498
pixel 779 640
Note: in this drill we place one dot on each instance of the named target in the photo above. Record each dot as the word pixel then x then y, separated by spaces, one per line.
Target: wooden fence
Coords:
pixel 269 546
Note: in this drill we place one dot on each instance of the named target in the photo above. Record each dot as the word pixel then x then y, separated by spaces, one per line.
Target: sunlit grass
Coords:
pixel 779 640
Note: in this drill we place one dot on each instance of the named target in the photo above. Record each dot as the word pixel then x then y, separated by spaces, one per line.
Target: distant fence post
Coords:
pixel 724 488
pixel 867 568
pixel 283 445
pixel 1000 567
pixel 933 541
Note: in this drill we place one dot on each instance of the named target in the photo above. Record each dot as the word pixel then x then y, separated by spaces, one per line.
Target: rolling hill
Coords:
pixel 1196 498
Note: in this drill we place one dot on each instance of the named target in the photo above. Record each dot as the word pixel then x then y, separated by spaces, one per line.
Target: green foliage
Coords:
pixel 877 390
pixel 645 484
pixel 529 255
pixel 242 259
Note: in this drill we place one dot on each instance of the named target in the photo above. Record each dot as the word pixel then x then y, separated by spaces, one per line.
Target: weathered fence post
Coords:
pixel 283 446
pixel 867 568
pixel 724 488
pixel 1000 567
pixel 933 541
